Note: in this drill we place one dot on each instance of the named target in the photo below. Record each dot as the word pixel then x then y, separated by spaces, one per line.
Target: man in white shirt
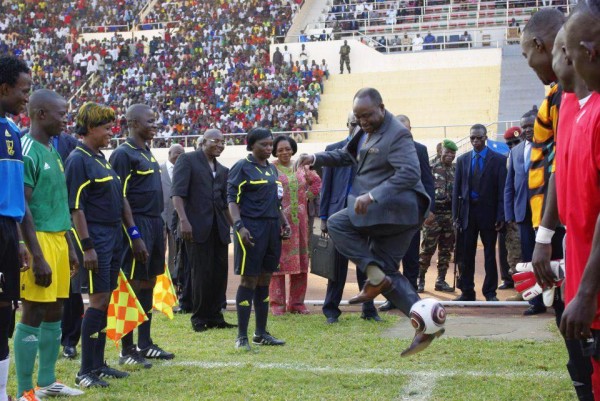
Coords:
pixel 166 178
pixel 417 43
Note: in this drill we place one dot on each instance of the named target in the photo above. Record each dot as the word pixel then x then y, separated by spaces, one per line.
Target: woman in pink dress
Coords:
pixel 298 188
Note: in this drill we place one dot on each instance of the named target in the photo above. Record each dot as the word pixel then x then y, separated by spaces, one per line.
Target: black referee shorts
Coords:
pixel 9 255
pixel 264 255
pixel 152 231
pixel 108 243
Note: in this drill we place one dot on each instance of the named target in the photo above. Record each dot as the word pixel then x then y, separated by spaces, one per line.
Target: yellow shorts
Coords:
pixel 56 252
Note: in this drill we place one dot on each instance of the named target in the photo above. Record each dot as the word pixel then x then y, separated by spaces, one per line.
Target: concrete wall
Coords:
pixel 366 59
pixel 125 34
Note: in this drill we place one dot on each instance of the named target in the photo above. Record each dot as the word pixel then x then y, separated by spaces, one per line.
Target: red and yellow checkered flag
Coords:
pixel 124 311
pixel 164 297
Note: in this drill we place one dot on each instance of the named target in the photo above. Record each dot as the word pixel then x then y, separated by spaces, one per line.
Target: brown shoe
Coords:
pixel 420 342
pixel 370 291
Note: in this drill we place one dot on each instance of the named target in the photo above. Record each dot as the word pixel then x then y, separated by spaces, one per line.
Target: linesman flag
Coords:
pixel 124 311
pixel 164 294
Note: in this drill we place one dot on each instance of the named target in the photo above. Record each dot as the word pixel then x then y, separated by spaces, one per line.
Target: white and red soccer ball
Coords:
pixel 428 316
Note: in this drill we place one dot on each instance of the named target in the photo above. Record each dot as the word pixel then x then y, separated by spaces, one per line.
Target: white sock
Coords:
pixel 375 274
pixel 4 379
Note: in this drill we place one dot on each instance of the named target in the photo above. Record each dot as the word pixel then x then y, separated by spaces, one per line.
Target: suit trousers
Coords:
pixel 466 281
pixel 503 257
pixel 335 289
pixel 383 245
pixel 184 276
pixel 208 262
pixel 410 261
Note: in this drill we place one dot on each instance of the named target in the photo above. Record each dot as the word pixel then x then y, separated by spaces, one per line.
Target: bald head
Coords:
pixel 44 99
pixel 404 120
pixel 175 151
pixel 212 134
pixel 544 24
pixel 135 111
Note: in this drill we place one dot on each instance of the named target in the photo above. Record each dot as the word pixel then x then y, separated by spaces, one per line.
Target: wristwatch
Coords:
pixel 238 225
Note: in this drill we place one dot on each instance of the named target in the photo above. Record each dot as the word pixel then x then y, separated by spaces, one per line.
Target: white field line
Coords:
pixel 419 387
pixel 424 375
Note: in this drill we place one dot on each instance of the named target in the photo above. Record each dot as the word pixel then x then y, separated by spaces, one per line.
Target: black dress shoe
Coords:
pixel 464 297
pixel 386 306
pixel 69 352
pixel 200 327
pixel 507 285
pixel 493 298
pixel 534 310
pixel 420 342
pixel 332 320
pixel 220 325
pixel 374 318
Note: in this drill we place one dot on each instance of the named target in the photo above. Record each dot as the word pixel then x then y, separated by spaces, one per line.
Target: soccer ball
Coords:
pixel 428 316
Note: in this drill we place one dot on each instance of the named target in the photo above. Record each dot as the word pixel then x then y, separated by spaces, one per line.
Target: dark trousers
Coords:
pixel 410 261
pixel 72 316
pixel 527 235
pixel 466 281
pixel 383 245
pixel 184 277
pixel 503 256
pixel 208 262
pixel 335 290
pixel 171 254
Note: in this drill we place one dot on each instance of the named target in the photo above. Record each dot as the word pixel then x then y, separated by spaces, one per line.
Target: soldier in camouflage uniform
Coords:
pixel 345 57
pixel 438 230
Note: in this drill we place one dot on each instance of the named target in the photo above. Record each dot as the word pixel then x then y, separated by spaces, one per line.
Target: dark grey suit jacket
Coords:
pixel 165 180
pixel 205 197
pixel 388 168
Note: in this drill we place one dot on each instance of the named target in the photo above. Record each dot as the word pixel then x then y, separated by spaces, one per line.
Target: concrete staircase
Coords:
pixel 432 98
pixel 310 12
pixel 520 88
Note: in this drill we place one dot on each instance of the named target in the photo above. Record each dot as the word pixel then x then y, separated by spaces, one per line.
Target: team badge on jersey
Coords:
pixel 10 147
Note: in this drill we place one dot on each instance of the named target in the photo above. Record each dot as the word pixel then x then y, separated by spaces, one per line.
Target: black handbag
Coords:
pixel 322 259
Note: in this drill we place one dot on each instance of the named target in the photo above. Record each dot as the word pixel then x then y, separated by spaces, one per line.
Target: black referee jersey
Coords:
pixel 255 188
pixel 140 174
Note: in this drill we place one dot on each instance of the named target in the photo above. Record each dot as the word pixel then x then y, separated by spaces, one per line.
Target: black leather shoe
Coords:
pixel 199 327
pixel 464 297
pixel 386 306
pixel 69 352
pixel 332 320
pixel 507 285
pixel 534 310
pixel 492 299
pixel 420 342
pixel 220 325
pixel 421 286
pixel 374 318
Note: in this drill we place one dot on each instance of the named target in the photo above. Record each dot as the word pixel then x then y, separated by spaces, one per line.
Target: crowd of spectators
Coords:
pixel 214 70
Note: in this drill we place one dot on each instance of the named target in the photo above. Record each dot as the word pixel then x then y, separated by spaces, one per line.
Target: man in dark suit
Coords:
pixel 166 179
pixel 199 193
pixel 386 205
pixel 516 199
pixel 479 198
pixel 410 261
pixel 335 185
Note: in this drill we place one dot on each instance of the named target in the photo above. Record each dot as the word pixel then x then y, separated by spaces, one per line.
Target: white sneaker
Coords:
pixel 57 389
pixel 28 396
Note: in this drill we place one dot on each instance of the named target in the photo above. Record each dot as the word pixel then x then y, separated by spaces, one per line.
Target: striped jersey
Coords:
pixel 12 196
pixel 542 152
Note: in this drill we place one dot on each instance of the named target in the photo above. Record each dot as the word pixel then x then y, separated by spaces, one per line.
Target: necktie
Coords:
pixel 476 176
pixel 527 160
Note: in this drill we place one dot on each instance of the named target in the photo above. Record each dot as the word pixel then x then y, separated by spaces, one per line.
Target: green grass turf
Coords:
pixel 350 360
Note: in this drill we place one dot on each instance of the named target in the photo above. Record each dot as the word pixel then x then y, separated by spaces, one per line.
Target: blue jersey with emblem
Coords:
pixel 12 196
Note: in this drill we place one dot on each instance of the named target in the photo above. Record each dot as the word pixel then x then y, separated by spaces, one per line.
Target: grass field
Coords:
pixel 351 360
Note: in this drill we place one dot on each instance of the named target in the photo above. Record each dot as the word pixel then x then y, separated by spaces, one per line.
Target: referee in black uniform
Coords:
pixel 96 203
pixel 143 256
pixel 254 195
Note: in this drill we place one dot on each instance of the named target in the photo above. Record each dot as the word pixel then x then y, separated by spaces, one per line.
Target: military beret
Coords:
pixel 512 132
pixel 448 144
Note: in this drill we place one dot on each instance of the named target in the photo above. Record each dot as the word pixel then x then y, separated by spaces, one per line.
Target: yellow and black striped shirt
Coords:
pixel 543 152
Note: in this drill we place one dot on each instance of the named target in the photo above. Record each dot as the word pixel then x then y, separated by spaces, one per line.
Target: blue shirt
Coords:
pixel 482 154
pixel 12 196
